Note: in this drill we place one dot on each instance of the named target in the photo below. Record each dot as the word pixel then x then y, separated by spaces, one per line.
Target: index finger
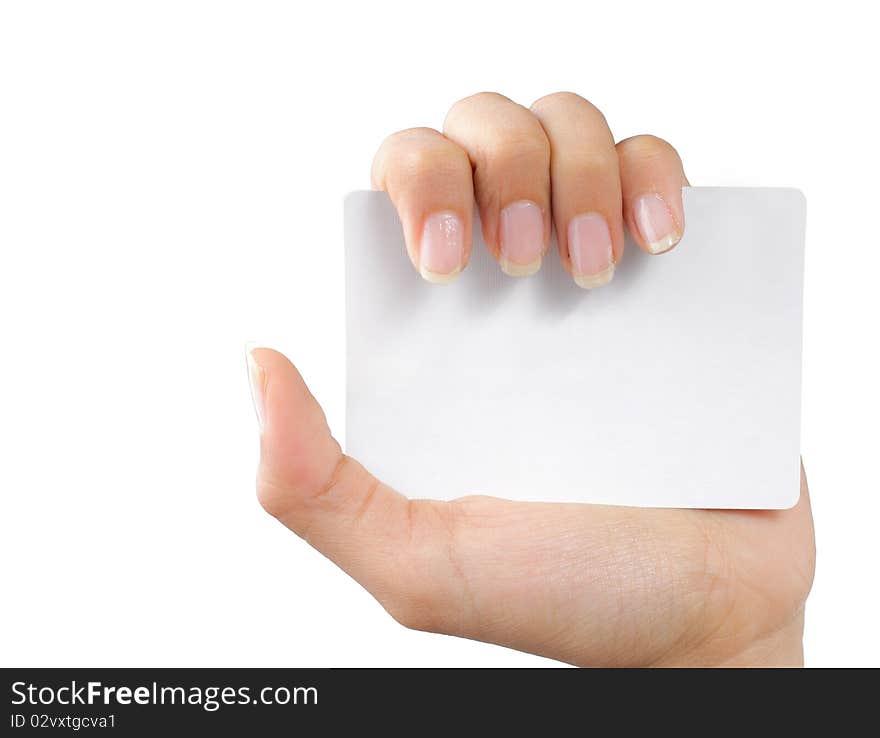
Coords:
pixel 428 178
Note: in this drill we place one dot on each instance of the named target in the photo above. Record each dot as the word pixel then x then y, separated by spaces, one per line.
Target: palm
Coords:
pixel 605 585
pixel 587 584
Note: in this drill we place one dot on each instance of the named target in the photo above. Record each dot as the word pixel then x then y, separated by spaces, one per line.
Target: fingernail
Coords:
pixel 442 248
pixel 257 378
pixel 656 224
pixel 591 250
pixel 522 238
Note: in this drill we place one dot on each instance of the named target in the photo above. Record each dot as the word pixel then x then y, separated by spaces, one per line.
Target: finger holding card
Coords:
pixel 676 385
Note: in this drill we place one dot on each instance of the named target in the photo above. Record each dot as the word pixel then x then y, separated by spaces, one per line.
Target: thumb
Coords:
pixel 299 459
pixel 390 544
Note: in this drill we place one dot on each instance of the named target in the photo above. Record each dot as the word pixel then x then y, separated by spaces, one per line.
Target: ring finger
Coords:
pixel 585 182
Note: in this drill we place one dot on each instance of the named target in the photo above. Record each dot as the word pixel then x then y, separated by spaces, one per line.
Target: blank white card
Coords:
pixel 677 385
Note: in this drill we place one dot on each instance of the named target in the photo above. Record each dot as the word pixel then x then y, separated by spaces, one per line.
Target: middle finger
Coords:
pixel 510 156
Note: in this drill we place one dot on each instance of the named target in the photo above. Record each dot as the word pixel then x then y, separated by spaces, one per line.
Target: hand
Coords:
pixel 591 585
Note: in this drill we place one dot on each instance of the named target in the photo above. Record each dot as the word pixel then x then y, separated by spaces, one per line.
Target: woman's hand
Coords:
pixel 592 585
pixel 523 167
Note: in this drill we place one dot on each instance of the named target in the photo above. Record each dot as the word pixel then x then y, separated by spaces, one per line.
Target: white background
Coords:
pixel 171 182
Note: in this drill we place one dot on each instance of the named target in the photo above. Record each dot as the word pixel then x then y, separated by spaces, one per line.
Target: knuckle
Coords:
pixel 273 498
pixel 570 118
pixel 406 155
pixel 413 149
pixel 494 129
pixel 514 148
pixel 563 100
pixel 406 137
pixel 472 102
pixel 419 162
pixel 647 147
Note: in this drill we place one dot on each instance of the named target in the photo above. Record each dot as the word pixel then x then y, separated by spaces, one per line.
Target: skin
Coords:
pixel 590 585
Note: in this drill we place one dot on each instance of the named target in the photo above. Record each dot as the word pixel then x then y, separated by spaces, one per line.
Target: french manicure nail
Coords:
pixel 656 224
pixel 522 238
pixel 442 248
pixel 257 378
pixel 591 250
